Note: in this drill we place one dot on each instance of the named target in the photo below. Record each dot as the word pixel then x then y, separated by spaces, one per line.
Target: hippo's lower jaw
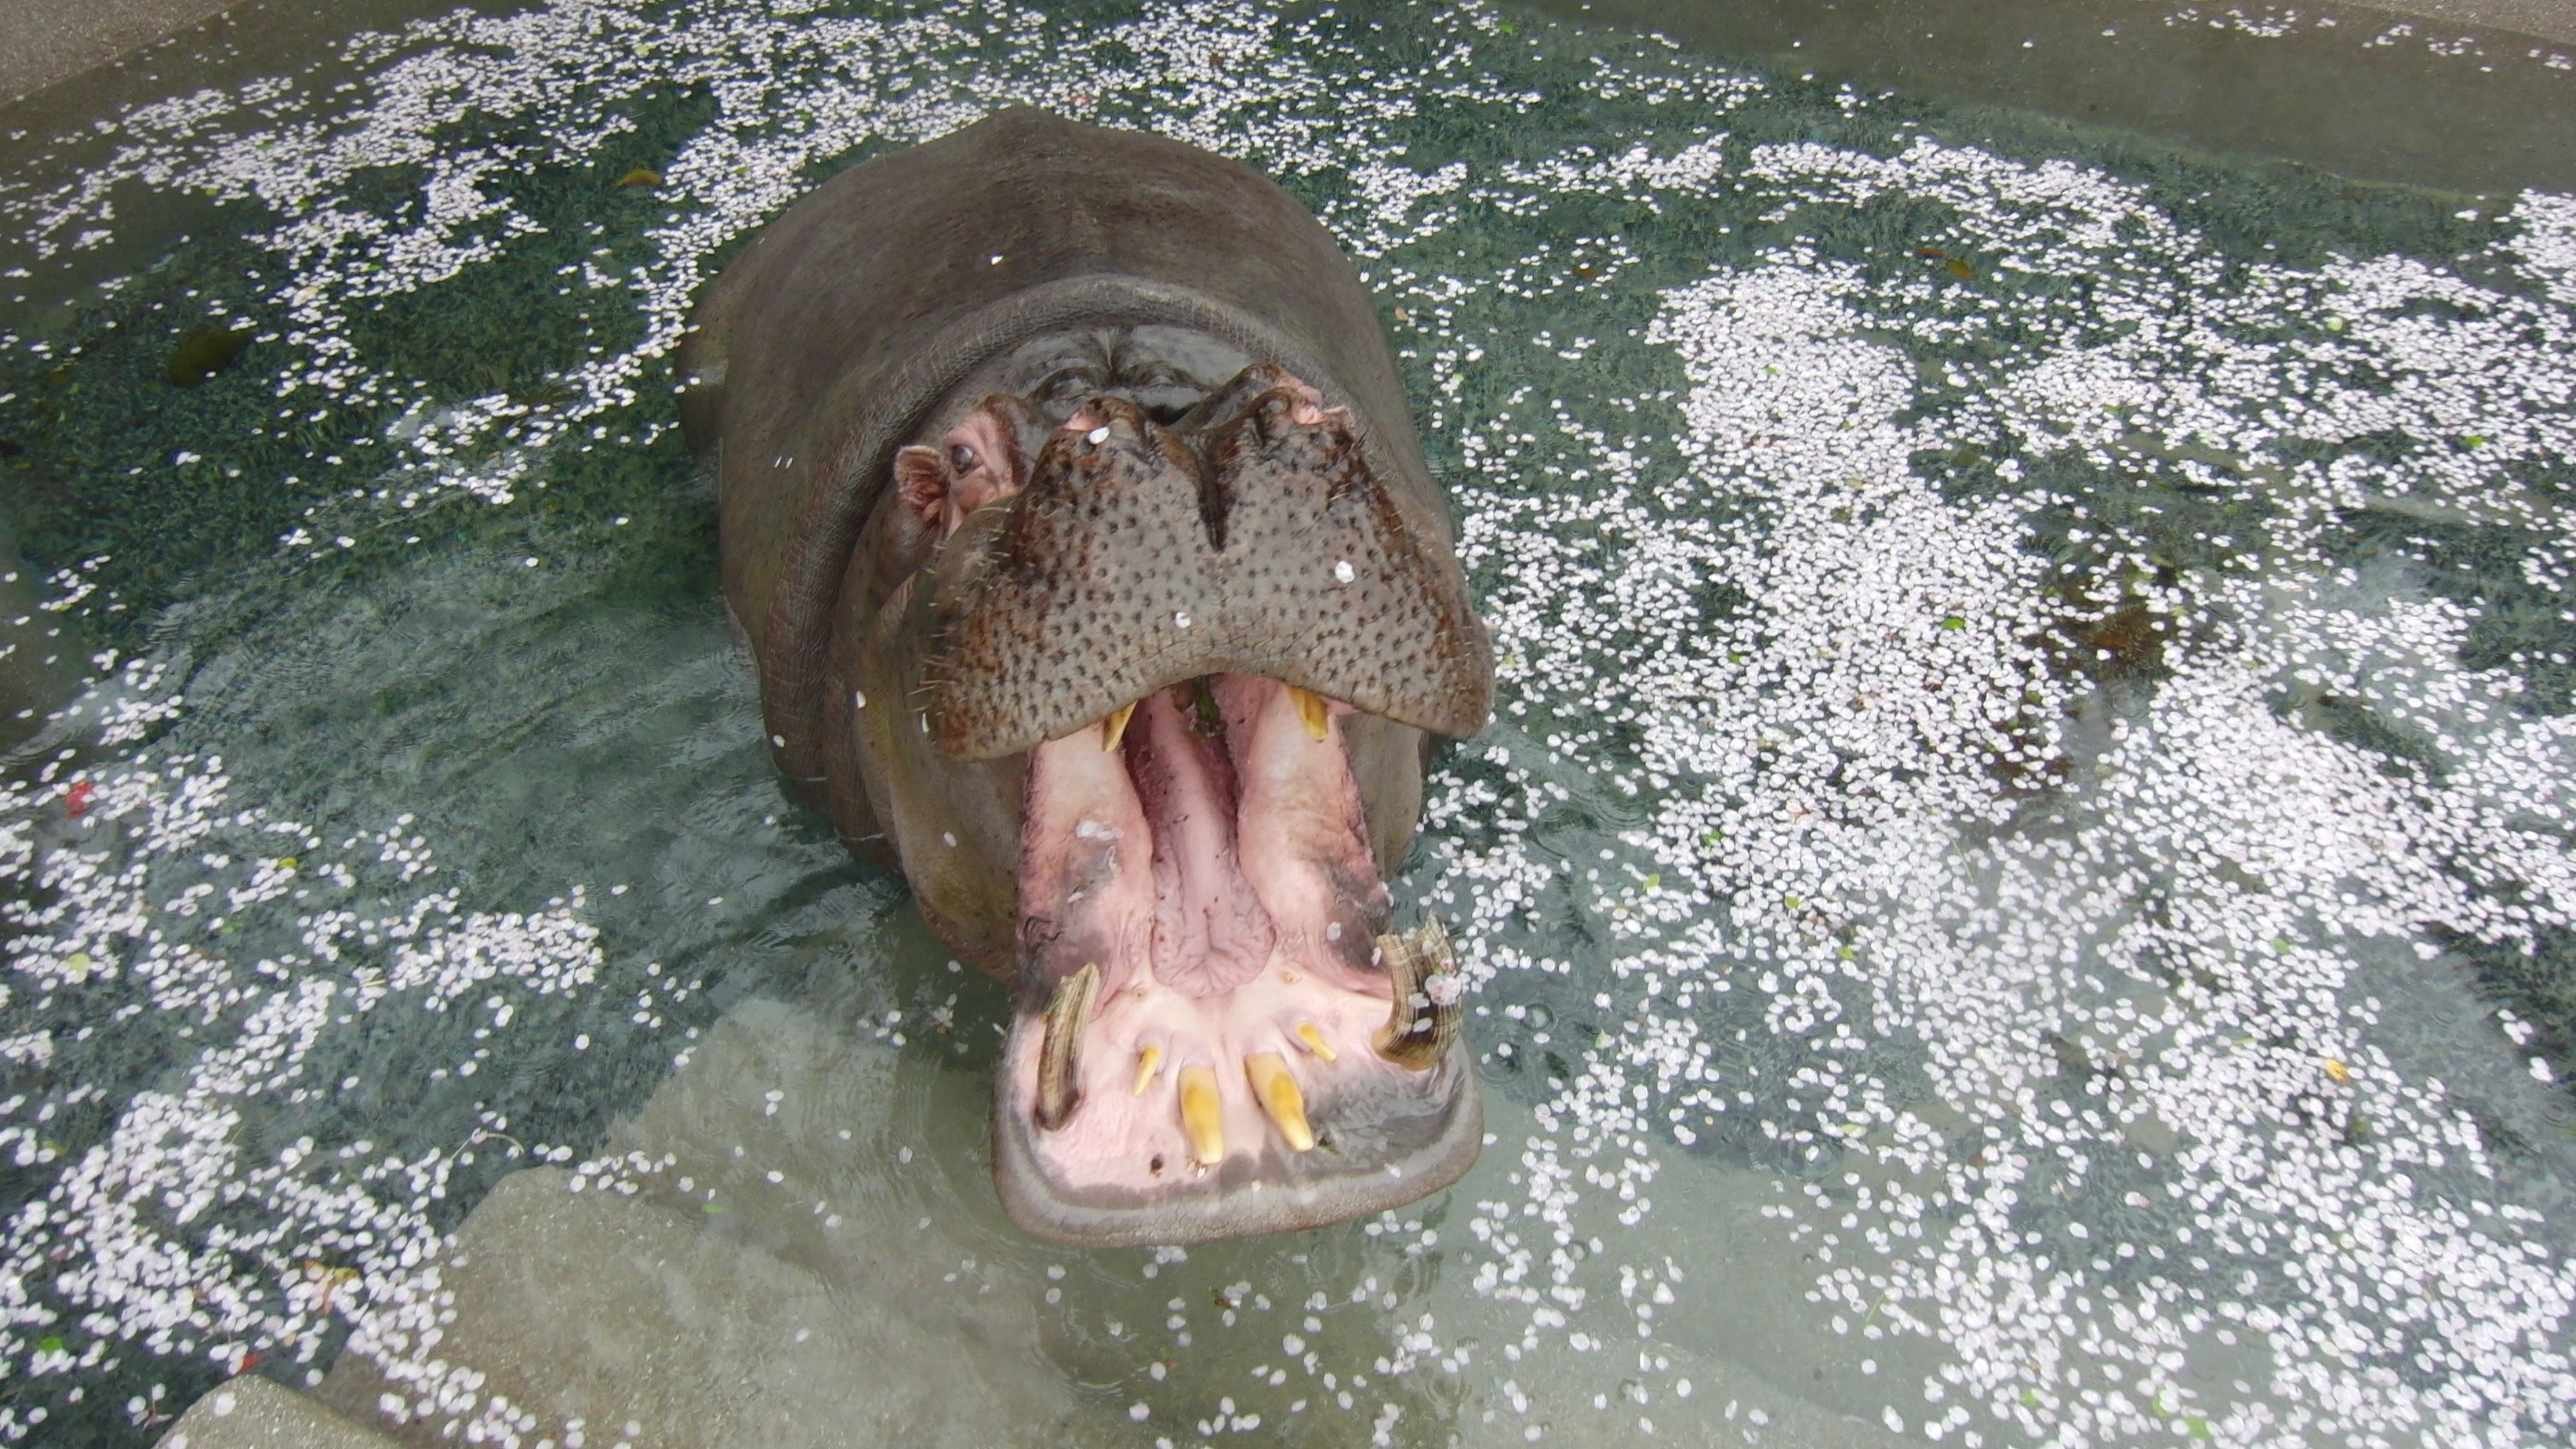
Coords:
pixel 1214 1036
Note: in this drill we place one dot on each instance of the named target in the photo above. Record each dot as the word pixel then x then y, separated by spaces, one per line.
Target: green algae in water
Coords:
pixel 1958 622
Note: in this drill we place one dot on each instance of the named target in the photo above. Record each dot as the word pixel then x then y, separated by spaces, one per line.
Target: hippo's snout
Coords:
pixel 1245 541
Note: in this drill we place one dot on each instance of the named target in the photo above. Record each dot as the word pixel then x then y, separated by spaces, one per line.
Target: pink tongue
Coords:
pixel 1210 931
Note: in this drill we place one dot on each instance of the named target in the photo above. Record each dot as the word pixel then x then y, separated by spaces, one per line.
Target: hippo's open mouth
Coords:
pixel 1215 1034
pixel 1186 635
pixel 1158 690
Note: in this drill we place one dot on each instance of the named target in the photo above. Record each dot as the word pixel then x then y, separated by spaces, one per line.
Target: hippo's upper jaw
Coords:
pixel 1248 537
pixel 1216 1034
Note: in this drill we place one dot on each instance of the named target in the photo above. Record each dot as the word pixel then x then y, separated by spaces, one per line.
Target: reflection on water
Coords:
pixel 2017 891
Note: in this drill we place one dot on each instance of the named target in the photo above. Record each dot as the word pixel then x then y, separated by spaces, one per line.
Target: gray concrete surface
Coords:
pixel 2548 19
pixel 614 1311
pixel 253 1413
pixel 2492 117
pixel 767 1322
pixel 52 40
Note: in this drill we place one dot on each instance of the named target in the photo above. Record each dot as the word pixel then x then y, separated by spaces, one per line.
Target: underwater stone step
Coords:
pixel 800 1135
pixel 732 1311
pixel 657 1332
pixel 810 1139
pixel 251 1412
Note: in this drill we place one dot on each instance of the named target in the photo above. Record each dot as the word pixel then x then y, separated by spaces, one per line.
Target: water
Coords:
pixel 2017 893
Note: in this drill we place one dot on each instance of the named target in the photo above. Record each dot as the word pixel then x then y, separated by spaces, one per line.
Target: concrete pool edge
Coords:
pixel 70 64
pixel 2456 102
pixel 51 42
pixel 56 41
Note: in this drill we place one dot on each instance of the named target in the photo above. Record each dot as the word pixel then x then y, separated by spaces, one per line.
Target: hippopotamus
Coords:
pixel 1074 519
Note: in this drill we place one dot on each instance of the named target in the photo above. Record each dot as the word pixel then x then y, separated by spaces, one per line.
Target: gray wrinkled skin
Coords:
pixel 1040 266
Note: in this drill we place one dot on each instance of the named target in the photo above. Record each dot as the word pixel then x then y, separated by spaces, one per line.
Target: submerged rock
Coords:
pixel 251 1412
pixel 728 1310
pixel 200 355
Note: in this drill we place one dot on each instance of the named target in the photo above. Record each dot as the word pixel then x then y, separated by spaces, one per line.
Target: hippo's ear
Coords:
pixel 921 479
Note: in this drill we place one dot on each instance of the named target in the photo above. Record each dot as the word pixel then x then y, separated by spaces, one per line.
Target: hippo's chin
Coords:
pixel 1216 1034
pixel 1417 1143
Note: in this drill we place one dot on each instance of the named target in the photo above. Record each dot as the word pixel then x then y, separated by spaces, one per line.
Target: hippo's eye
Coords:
pixel 961 458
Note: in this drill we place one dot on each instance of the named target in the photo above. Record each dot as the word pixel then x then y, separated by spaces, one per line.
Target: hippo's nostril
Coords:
pixel 1275 416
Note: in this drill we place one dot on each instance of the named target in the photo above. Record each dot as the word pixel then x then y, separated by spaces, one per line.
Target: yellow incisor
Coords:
pixel 1148 1062
pixel 1313 1036
pixel 1280 1098
pixel 1199 1114
pixel 1114 727
pixel 1315 710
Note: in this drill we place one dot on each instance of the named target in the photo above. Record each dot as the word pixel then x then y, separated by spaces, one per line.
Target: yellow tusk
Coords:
pixel 1280 1098
pixel 1059 1057
pixel 1314 709
pixel 1114 728
pixel 1313 1036
pixel 1148 1062
pixel 1199 1115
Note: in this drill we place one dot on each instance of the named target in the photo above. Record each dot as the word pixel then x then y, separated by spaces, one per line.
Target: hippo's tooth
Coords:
pixel 1148 1062
pixel 1280 1098
pixel 1313 1036
pixel 1314 710
pixel 1199 1115
pixel 1424 1021
pixel 1067 1015
pixel 1113 728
